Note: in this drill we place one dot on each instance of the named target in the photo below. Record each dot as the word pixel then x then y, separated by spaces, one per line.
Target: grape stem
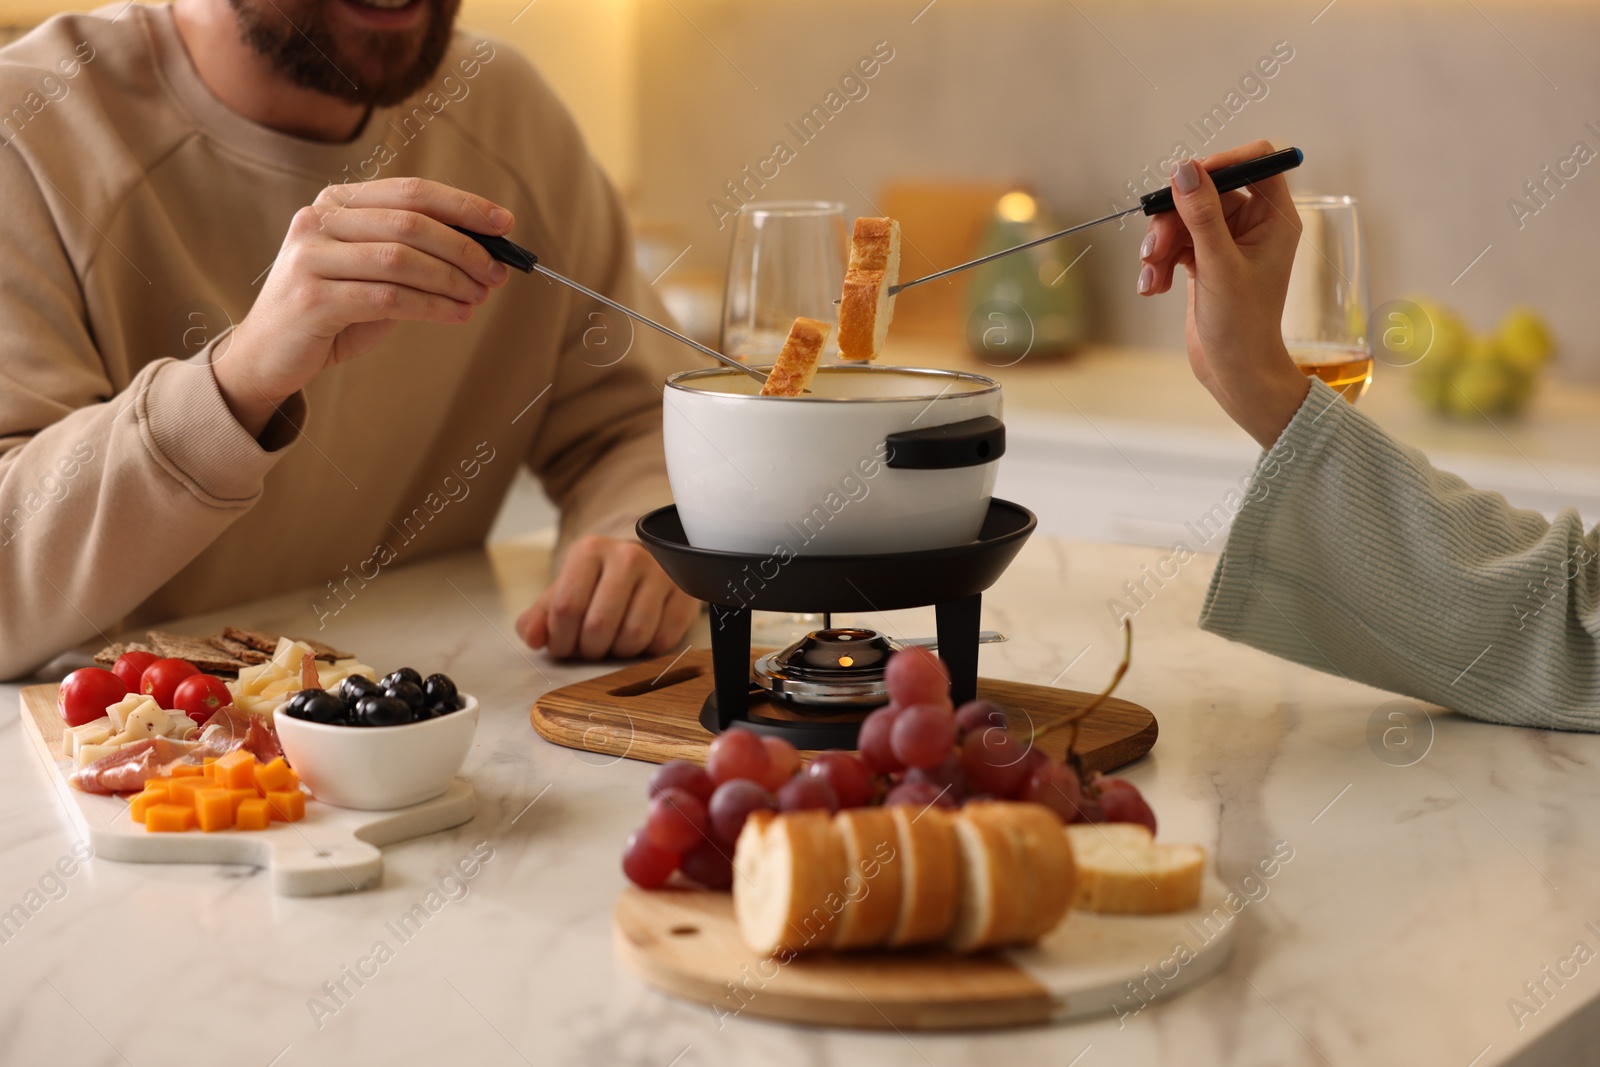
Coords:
pixel 1076 717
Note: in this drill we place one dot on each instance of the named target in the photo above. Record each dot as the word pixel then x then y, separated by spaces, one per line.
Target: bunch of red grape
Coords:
pixel 918 749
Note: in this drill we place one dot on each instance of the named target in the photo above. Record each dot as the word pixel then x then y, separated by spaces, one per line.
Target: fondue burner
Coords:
pixel 816 692
pixel 837 668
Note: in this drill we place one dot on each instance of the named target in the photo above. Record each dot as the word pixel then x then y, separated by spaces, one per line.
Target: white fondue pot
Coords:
pixel 873 459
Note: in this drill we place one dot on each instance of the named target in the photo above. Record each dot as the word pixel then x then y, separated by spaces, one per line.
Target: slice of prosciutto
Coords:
pixel 128 768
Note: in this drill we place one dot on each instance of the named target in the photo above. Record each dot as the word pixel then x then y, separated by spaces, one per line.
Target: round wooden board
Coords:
pixel 685 942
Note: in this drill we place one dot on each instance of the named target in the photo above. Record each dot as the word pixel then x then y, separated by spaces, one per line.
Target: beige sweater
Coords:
pixel 139 215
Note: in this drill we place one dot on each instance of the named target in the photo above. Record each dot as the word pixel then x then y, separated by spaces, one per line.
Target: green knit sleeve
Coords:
pixel 1353 555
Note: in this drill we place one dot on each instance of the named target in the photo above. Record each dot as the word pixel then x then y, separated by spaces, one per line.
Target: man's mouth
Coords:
pixel 383 5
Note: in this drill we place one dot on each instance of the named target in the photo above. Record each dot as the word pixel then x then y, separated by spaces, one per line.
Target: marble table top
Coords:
pixel 1441 904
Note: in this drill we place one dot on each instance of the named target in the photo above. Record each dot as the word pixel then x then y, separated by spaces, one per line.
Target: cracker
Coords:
pixel 197 650
pixel 256 639
pixel 238 649
pixel 109 655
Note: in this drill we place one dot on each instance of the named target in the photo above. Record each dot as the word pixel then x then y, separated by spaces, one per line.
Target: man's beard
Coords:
pixel 316 52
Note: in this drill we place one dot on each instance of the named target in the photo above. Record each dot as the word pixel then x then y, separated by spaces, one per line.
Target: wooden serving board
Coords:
pixel 648 712
pixel 331 850
pixel 685 942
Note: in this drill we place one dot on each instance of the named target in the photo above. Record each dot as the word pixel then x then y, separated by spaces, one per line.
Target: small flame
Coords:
pixel 847 661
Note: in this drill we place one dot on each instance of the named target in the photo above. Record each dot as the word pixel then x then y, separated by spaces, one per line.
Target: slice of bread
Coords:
pixel 875 245
pixel 930 878
pixel 865 311
pixel 992 904
pixel 797 364
pixel 865 306
pixel 1122 871
pixel 789 881
pixel 873 877
pixel 1046 860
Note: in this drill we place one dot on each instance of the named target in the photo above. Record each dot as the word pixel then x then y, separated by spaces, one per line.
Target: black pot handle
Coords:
pixel 969 443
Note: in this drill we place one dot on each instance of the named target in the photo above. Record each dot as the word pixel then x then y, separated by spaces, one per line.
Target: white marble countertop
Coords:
pixel 1418 901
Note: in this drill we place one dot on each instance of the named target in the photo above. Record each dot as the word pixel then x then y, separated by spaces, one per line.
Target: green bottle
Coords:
pixel 1032 303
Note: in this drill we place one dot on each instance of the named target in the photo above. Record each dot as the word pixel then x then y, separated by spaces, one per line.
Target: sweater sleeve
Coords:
pixel 1353 555
pixel 104 494
pixel 598 452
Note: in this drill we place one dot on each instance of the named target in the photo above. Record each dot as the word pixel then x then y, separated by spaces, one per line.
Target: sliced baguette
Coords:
pixel 875 245
pixel 1046 860
pixel 797 363
pixel 872 877
pixel 992 903
pixel 865 311
pixel 789 881
pixel 866 307
pixel 930 878
pixel 1122 871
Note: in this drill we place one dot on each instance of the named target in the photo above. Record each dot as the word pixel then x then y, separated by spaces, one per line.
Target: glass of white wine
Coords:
pixel 786 259
pixel 1325 316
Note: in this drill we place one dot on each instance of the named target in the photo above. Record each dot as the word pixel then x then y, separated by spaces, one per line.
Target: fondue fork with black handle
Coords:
pixel 1227 179
pixel 514 255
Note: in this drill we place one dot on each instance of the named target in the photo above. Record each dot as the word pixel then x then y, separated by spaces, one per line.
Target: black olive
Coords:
pixel 382 711
pixel 403 674
pixel 423 713
pixel 441 691
pixel 353 688
pixel 296 706
pixel 407 691
pixel 436 710
pixel 320 706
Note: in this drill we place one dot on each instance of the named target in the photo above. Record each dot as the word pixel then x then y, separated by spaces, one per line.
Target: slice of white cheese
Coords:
pixel 119 712
pixel 87 754
pixel 90 733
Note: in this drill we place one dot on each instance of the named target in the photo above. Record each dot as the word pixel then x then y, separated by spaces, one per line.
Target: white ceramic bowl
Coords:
pixel 377 768
pixel 817 474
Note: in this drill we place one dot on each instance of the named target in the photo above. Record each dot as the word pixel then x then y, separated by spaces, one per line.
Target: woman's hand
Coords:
pixel 611 599
pixel 1236 250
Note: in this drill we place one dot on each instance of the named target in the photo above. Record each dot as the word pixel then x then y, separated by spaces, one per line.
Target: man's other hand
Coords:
pixel 611 599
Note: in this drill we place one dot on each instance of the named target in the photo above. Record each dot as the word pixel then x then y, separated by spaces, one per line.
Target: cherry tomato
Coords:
pixel 161 678
pixel 130 668
pixel 84 695
pixel 200 695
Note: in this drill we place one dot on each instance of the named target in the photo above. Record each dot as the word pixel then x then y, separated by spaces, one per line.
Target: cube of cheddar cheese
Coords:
pixel 140 805
pixel 288 805
pixel 236 770
pixel 253 815
pixel 239 796
pixel 275 776
pixel 182 790
pixel 168 818
pixel 187 770
pixel 213 809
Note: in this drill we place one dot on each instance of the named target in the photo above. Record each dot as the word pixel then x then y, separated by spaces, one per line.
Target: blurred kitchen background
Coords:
pixel 1439 116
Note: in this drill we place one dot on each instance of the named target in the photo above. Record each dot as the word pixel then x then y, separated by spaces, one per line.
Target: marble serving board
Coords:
pixel 686 943
pixel 331 850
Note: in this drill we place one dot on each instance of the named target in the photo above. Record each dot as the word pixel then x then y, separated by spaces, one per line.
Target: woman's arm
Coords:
pixel 1352 554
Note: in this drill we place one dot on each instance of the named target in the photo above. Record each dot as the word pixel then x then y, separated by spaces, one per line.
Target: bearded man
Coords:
pixel 245 352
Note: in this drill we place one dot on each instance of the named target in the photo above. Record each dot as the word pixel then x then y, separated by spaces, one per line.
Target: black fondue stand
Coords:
pixel 951 579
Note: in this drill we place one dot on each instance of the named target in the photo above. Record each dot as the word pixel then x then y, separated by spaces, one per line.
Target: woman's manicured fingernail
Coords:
pixel 498 272
pixel 1147 278
pixel 500 219
pixel 1186 176
pixel 1148 246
